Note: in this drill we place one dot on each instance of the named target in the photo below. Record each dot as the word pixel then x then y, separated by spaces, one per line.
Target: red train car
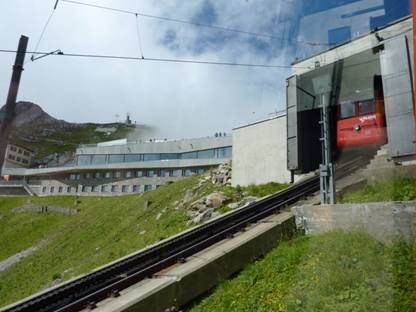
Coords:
pixel 362 123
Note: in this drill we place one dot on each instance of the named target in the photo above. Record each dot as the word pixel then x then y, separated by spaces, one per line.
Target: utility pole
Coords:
pixel 327 168
pixel 323 86
pixel 10 108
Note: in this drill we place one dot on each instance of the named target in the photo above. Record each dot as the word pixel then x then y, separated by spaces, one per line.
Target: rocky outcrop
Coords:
pixel 28 113
pixel 222 175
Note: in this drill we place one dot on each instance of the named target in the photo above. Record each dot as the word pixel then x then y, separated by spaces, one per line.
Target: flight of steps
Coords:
pixel 381 160
pixel 383 168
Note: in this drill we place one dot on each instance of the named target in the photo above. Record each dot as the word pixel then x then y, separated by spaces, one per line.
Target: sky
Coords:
pixel 180 100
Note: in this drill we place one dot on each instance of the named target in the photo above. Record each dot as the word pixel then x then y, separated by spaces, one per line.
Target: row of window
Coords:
pixel 17 158
pixel 19 150
pixel 99 189
pixel 85 160
pixel 135 174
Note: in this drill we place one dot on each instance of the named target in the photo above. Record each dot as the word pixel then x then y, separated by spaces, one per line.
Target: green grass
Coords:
pixel 68 139
pixel 106 228
pixel 397 190
pixel 263 190
pixel 338 271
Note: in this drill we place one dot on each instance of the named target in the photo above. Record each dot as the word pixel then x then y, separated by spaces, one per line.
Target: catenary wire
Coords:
pixel 139 40
pixel 175 20
pixel 167 60
pixel 43 31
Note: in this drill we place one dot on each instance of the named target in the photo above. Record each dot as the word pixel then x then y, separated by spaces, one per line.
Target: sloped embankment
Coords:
pixel 103 229
pixel 338 271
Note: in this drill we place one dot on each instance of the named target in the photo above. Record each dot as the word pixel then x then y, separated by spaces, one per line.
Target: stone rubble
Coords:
pixel 222 175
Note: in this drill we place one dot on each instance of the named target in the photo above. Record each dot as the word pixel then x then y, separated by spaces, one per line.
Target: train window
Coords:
pixel 347 109
pixel 367 107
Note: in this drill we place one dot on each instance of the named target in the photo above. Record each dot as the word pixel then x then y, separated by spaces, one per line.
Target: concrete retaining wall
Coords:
pixel 182 283
pixel 383 221
pixel 259 153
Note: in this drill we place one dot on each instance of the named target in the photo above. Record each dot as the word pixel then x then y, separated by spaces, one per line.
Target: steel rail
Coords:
pixel 96 286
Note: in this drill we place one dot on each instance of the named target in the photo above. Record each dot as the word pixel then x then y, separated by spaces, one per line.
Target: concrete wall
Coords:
pixel 362 44
pixel 62 184
pixel 260 153
pixel 176 146
pixel 383 221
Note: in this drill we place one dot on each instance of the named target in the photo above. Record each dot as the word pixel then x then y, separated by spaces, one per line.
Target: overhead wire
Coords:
pixel 139 40
pixel 168 60
pixel 44 29
pixel 181 21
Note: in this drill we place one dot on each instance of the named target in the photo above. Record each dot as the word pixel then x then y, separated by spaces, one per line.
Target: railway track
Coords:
pixel 108 281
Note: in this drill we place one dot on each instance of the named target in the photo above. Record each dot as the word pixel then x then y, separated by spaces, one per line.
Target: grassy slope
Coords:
pixel 337 271
pixel 68 139
pixel 398 190
pixel 105 229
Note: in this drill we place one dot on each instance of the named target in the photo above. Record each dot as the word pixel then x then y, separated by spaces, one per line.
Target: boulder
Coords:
pixel 215 200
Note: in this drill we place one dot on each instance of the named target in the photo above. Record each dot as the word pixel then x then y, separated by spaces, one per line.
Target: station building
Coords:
pixel 350 72
pixel 122 167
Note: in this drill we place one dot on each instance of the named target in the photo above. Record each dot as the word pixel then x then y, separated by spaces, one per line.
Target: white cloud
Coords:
pixel 179 99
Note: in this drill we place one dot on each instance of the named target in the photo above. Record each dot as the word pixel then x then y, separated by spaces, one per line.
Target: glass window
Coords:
pixel 60 189
pixel 147 187
pixel 191 155
pixel 225 152
pixel 139 173
pixel 94 188
pixel 44 189
pixel 187 172
pixel 116 159
pixel 367 107
pixel 125 188
pixel 87 175
pixel 98 159
pixel 133 157
pixel 117 174
pixel 20 151
pixel 84 160
pixel 168 156
pixel 104 188
pixel 129 174
pixel 13 148
pixel 150 157
pixel 347 109
pixel 206 154
pixel 98 175
pixel 18 158
pixel 114 188
pixel 52 189
pixel 201 171
pixel 68 189
pixel 173 173
pixel 151 173
pixel 136 188
pixel 162 172
pixel 84 189
pixel 26 153
pixel 108 175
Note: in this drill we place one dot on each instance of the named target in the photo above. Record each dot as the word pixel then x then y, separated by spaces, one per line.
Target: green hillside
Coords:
pixel 106 228
pixel 67 139
pixel 338 271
